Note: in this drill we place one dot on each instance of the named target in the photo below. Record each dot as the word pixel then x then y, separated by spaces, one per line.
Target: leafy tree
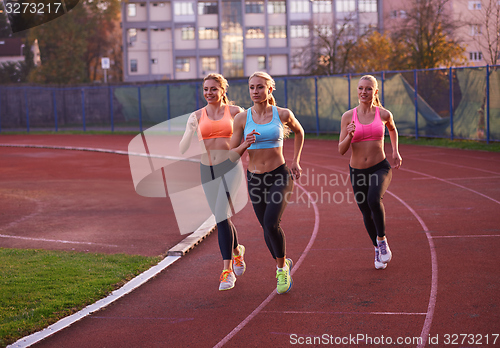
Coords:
pixel 71 46
pixel 427 35
pixel 377 52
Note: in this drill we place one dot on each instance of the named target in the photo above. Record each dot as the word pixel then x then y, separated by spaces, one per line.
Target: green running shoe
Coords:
pixel 284 278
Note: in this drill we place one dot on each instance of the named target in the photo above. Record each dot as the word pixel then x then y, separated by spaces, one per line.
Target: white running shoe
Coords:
pixel 379 264
pixel 239 265
pixel 385 251
pixel 227 280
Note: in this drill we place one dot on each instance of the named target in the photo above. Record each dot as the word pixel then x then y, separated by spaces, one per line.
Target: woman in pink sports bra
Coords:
pixel 362 130
pixel 214 125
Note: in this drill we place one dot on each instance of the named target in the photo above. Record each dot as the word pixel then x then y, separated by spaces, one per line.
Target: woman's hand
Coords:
pixel 251 138
pixel 396 160
pixel 351 128
pixel 296 170
pixel 192 122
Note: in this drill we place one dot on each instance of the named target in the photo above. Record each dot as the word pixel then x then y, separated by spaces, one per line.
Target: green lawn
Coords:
pixel 39 287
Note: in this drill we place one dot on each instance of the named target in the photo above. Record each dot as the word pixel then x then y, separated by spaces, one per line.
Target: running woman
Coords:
pixel 214 125
pixel 362 129
pixel 270 181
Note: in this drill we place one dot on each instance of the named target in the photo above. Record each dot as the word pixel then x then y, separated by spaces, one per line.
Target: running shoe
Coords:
pixel 284 279
pixel 379 264
pixel 227 280
pixel 385 251
pixel 239 265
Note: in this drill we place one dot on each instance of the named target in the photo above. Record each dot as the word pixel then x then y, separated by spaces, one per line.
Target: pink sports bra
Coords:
pixel 366 132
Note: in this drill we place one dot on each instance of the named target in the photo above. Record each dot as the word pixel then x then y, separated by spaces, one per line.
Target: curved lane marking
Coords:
pixel 294 269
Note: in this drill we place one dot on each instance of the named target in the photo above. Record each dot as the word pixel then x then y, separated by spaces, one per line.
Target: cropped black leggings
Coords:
pixel 220 182
pixel 369 186
pixel 269 193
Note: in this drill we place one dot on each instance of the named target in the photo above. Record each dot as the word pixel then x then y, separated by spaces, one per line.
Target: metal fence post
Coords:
pixel 487 104
pixel 83 110
pixel 140 107
pixel 383 94
pixel 111 111
pixel 197 96
pixel 27 111
pixel 168 106
pixel 286 92
pixel 451 102
pixel 54 105
pixel 415 86
pixel 349 91
pixel 0 110
pixel 316 103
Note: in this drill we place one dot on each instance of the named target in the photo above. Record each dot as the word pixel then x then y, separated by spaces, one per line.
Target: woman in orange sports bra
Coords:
pixel 362 130
pixel 214 126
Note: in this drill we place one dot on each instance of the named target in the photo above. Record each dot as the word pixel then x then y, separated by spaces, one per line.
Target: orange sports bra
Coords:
pixel 209 129
pixel 365 132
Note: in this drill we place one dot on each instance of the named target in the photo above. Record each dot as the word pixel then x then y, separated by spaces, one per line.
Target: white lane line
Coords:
pixel 434 265
pixel 451 183
pixel 350 313
pixel 469 236
pixel 434 278
pixel 273 294
pixel 55 240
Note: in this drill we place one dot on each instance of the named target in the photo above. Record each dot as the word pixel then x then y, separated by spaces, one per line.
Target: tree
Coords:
pixel 71 46
pixel 377 52
pixel 330 51
pixel 427 34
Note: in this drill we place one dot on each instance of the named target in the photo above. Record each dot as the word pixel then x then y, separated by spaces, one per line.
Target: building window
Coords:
pixel 132 36
pixel 187 33
pixel 345 5
pixel 346 29
pixel 209 64
pixel 261 62
pixel 255 33
pixel 296 62
pixel 182 64
pixel 277 31
pixel 474 5
pixel 299 31
pixel 208 33
pixel 475 56
pixel 131 10
pixel 299 6
pixel 323 30
pixel 207 8
pixel 322 6
pixel 367 5
pixel 133 65
pixel 475 29
pixel 276 7
pixel 254 7
pixel 183 8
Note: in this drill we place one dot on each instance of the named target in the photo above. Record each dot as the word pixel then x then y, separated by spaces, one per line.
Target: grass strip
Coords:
pixel 39 287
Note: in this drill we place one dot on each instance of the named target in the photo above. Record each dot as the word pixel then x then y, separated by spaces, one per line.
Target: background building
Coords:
pixel 188 39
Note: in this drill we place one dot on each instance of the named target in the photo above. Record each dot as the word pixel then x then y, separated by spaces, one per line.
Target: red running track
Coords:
pixel 442 285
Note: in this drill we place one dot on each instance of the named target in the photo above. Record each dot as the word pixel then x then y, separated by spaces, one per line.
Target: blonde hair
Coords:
pixel 371 78
pixel 269 83
pixel 223 84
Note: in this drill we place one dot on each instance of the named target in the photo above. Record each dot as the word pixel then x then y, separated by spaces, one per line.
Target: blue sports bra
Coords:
pixel 271 133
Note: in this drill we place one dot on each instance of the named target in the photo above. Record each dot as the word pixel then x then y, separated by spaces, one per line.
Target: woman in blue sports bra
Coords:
pixel 262 128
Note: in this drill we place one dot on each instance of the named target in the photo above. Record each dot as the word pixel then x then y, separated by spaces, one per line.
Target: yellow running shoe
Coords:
pixel 284 278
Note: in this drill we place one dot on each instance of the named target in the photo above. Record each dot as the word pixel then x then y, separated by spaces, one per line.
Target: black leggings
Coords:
pixel 269 193
pixel 220 182
pixel 369 186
